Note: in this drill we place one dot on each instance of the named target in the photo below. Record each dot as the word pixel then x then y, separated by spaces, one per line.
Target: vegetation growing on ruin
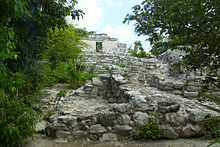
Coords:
pixel 151 129
pixel 63 58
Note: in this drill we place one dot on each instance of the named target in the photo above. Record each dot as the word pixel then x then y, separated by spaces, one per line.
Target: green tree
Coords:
pixel 64 50
pixel 65 45
pixel 24 25
pixel 189 25
pixel 138 50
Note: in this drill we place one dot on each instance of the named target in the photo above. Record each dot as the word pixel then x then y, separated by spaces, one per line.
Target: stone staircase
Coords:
pixel 113 106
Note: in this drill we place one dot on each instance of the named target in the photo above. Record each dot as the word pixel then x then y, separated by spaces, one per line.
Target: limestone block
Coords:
pixel 140 118
pixel 141 106
pixel 195 78
pixel 93 137
pixel 107 119
pixel 151 67
pixel 135 97
pixel 62 134
pixel 161 83
pixel 119 79
pixel 66 112
pixel 123 128
pixel 192 88
pixel 176 118
pixel 168 87
pixel 190 94
pixel 64 118
pixel 194 83
pixel 169 84
pixel 177 92
pixel 196 115
pixel 109 137
pixel 97 129
pixel 79 134
pixel 97 82
pixel 179 85
pixel 168 106
pixel 132 123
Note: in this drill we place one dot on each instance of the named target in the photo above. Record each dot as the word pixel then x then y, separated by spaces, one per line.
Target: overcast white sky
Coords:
pixel 106 16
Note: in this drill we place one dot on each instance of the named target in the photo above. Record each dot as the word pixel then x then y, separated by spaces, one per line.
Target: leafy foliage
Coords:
pixel 65 45
pixel 16 121
pixel 189 25
pixel 150 129
pixel 79 74
pixel 63 58
pixel 24 26
pixel 212 127
pixel 138 50
pixel 212 123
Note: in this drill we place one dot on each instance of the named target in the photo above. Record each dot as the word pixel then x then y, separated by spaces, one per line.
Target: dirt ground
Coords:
pixel 189 142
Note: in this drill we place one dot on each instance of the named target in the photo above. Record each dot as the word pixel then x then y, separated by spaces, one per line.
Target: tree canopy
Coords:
pixel 189 25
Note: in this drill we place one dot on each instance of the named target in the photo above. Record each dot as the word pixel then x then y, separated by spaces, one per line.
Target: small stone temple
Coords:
pixel 101 43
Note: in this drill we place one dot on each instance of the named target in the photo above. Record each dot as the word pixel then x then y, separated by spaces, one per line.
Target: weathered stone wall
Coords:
pixel 129 106
pixel 154 72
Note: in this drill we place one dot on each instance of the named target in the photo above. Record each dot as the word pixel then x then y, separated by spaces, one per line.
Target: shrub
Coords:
pixel 60 73
pixel 16 121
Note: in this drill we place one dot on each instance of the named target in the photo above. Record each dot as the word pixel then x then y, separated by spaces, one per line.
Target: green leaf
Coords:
pixel 11 35
pixel 213 98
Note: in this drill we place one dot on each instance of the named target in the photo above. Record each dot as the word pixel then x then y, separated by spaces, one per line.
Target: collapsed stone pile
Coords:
pixel 113 105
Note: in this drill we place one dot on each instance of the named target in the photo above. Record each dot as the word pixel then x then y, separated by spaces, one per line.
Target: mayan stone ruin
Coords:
pixel 113 105
pixel 101 43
